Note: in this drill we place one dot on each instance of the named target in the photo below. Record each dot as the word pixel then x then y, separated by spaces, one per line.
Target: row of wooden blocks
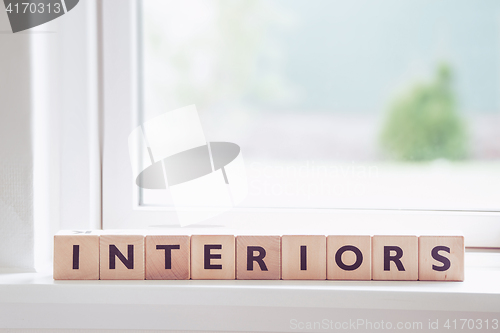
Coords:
pixel 88 256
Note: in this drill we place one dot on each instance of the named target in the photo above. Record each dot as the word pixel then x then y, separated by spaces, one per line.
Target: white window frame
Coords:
pixel 120 196
pixel 65 127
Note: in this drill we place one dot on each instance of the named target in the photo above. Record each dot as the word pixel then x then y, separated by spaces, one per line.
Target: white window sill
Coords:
pixel 35 300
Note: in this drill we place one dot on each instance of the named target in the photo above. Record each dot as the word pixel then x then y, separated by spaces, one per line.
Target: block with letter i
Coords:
pixel 395 258
pixel 213 257
pixel 441 258
pixel 349 257
pixel 303 257
pixel 122 257
pixel 168 257
pixel 76 255
pixel 258 257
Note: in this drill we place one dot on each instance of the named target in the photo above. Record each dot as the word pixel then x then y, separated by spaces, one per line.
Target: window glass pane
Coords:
pixel 337 104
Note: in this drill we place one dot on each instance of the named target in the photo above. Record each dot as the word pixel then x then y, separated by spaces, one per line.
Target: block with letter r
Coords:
pixel 395 258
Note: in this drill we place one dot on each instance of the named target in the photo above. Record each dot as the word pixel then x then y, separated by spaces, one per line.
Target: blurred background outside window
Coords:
pixel 337 104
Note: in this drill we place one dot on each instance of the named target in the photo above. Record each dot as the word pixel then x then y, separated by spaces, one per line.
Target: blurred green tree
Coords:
pixel 425 124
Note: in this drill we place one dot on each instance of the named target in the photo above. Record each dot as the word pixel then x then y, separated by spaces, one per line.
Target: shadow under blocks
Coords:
pixel 101 255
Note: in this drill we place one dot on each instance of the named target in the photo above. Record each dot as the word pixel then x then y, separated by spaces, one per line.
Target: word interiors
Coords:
pixel 92 256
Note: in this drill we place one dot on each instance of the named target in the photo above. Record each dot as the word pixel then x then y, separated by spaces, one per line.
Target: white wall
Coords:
pixel 16 153
pixel 49 146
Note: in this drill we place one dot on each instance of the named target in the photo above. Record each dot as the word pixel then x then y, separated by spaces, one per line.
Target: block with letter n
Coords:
pixel 122 257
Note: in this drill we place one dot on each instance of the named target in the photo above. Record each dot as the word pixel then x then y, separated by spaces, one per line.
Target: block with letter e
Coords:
pixel 122 257
pixel 395 258
pixel 213 257
pixel 76 255
pixel 168 257
pixel 258 257
pixel 441 258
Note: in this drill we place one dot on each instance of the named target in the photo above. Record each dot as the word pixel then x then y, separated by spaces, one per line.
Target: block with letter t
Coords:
pixel 168 257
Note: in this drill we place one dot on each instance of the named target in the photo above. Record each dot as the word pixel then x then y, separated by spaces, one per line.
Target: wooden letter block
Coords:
pixel 258 257
pixel 76 256
pixel 441 258
pixel 212 257
pixel 303 257
pixel 349 258
pixel 122 257
pixel 395 258
pixel 168 257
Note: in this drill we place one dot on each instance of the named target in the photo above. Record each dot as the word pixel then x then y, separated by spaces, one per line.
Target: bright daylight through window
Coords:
pixel 337 104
